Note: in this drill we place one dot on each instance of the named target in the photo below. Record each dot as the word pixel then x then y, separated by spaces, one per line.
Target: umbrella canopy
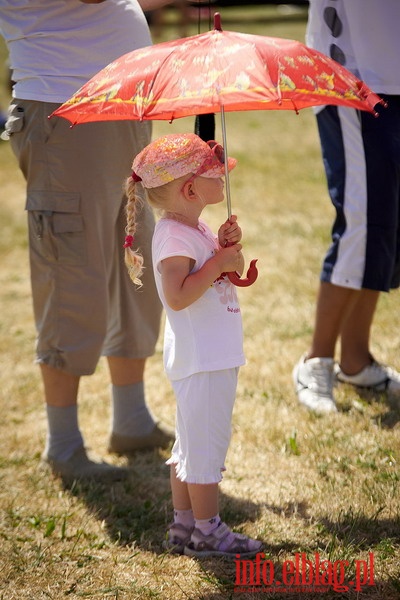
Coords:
pixel 214 71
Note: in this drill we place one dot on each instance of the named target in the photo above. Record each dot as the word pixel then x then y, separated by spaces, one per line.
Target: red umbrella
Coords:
pixel 211 72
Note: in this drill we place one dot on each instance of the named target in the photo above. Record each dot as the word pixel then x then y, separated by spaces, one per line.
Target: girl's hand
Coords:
pixel 229 232
pixel 230 259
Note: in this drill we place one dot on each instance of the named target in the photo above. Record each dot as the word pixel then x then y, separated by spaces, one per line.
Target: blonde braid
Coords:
pixel 133 259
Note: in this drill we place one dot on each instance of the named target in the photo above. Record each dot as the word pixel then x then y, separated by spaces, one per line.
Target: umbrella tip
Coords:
pixel 217 22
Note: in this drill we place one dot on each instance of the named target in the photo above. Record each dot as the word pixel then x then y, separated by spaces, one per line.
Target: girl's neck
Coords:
pixel 190 220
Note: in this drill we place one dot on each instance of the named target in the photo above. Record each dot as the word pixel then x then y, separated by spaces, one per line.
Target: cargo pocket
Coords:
pixel 56 230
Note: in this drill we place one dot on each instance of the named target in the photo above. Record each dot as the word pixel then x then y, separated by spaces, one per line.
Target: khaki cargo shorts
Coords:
pixel 85 305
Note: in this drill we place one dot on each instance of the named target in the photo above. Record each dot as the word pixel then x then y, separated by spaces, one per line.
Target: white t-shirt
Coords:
pixel 207 335
pixel 366 32
pixel 56 46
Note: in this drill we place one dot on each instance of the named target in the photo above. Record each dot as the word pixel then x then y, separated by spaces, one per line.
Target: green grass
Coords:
pixel 302 483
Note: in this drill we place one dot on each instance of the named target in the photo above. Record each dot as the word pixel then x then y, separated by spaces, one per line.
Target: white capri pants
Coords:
pixel 203 424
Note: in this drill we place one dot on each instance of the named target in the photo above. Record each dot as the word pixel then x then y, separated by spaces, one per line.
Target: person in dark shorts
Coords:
pixel 361 156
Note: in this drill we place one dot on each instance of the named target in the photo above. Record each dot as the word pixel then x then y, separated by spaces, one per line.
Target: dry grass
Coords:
pixel 300 483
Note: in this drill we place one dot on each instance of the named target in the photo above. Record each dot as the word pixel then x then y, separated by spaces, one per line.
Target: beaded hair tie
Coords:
pixel 128 241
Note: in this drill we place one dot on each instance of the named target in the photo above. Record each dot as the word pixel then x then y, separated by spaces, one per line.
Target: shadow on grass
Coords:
pixel 355 529
pixel 138 510
pixel 389 406
pixel 391 416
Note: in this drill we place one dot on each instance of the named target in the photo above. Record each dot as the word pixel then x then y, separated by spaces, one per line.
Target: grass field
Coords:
pixel 307 486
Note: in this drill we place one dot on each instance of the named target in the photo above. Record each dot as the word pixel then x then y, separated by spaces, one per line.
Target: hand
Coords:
pixel 230 258
pixel 229 232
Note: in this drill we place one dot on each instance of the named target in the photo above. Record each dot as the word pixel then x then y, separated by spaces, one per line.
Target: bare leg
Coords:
pixel 202 498
pixel 355 332
pixel 60 388
pixel 126 371
pixel 349 314
pixel 180 492
pixel 333 302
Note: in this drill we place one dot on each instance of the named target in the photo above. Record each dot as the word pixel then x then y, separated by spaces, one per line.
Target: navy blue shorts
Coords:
pixel 361 156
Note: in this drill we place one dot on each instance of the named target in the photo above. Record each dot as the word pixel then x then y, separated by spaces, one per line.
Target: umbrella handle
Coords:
pixel 252 274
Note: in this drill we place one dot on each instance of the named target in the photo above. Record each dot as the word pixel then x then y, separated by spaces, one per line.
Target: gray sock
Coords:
pixel 130 415
pixel 63 434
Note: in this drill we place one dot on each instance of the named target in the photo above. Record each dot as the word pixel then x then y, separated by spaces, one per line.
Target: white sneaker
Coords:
pixel 375 376
pixel 313 379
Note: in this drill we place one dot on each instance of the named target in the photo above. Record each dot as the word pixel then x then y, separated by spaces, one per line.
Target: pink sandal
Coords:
pixel 222 537
pixel 178 537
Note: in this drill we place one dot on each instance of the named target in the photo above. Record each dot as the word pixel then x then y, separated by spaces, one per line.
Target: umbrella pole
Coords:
pixel 252 272
pixel 224 143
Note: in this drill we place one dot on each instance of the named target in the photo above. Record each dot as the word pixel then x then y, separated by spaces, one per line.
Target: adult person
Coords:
pixel 84 303
pixel 361 155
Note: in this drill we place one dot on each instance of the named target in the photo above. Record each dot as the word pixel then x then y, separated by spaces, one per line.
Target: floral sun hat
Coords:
pixel 176 155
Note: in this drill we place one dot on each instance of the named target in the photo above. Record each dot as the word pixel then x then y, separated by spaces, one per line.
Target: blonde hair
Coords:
pixel 158 198
pixel 133 258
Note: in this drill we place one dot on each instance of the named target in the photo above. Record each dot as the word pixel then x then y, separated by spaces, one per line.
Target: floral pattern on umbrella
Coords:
pixel 205 72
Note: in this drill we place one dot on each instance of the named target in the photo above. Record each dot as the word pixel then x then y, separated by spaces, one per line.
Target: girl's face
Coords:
pixel 210 189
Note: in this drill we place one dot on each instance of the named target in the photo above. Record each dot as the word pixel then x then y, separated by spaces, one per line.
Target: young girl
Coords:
pixel 203 346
